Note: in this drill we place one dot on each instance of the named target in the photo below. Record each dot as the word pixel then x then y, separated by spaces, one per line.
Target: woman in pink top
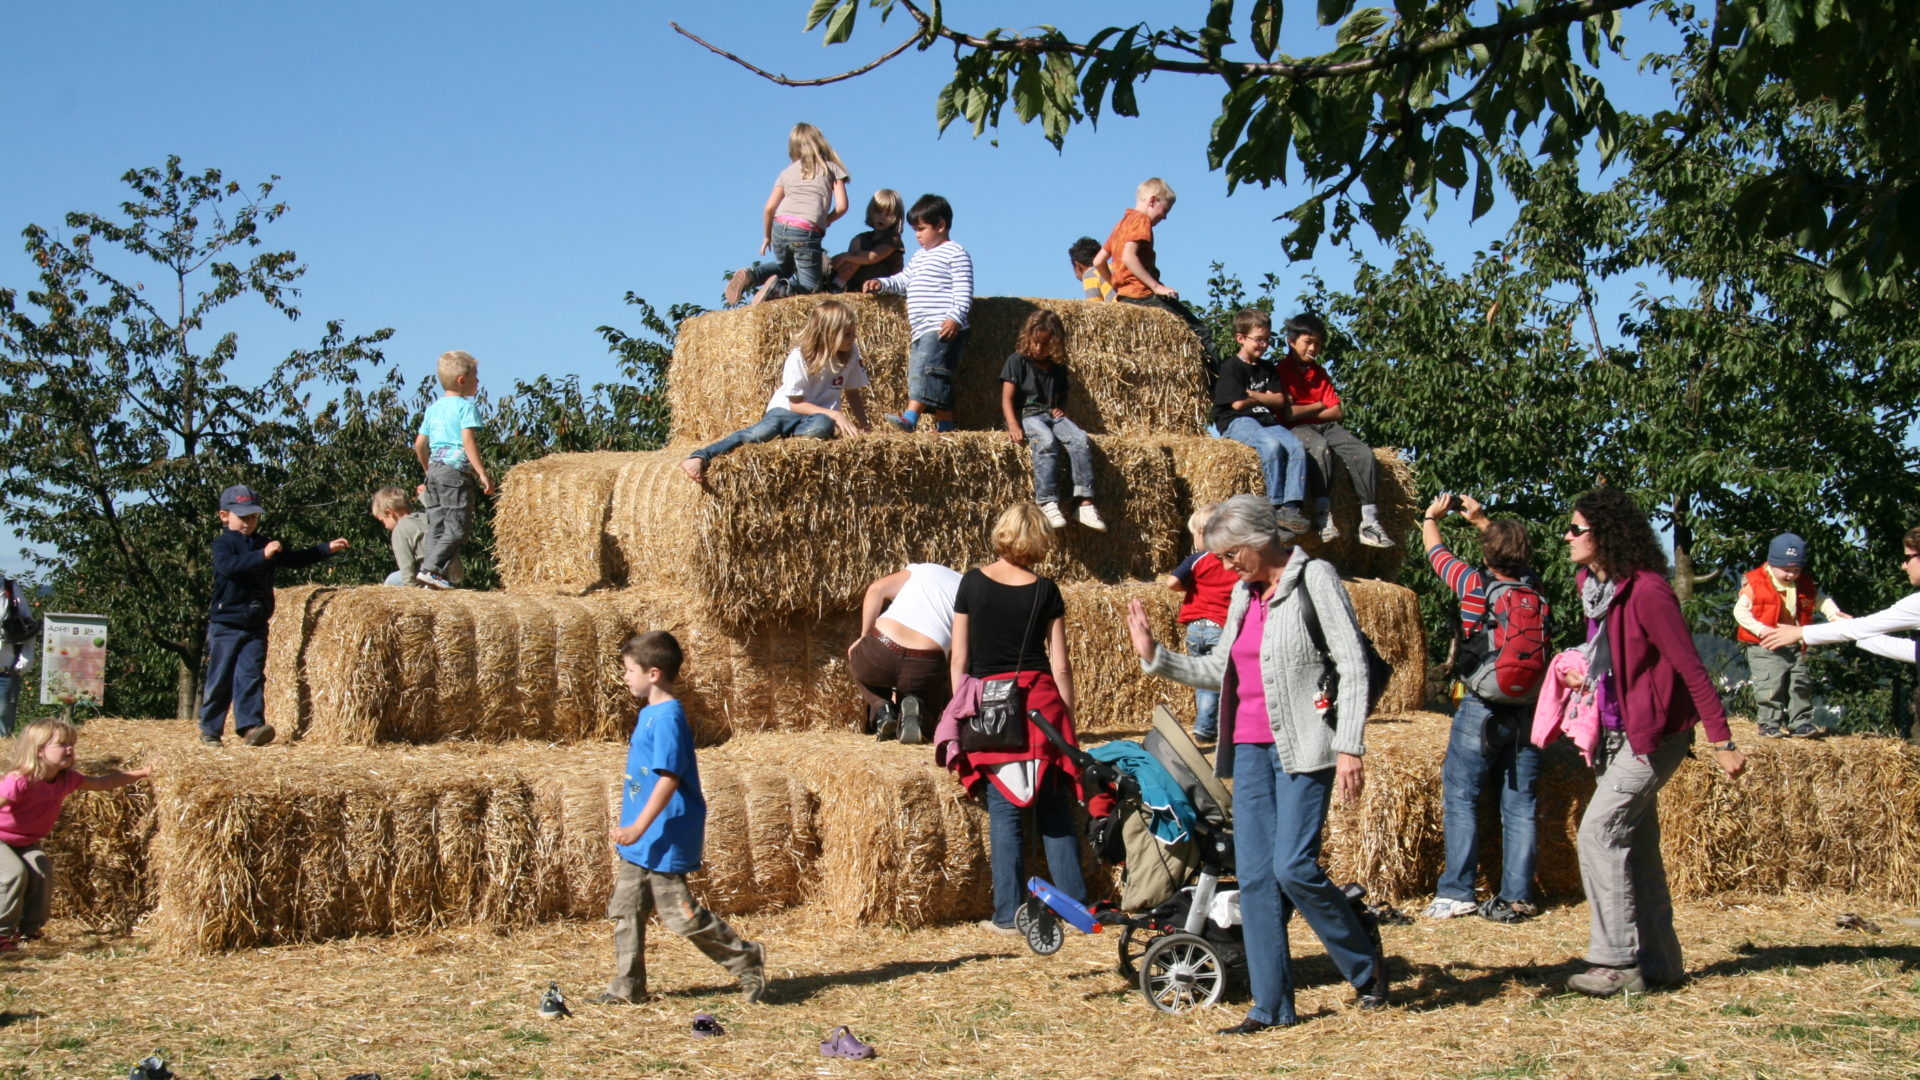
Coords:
pixel 30 799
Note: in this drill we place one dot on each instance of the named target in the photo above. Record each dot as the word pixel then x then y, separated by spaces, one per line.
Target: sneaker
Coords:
pixel 770 291
pixel 737 285
pixel 1443 908
pixel 151 1068
pixel 432 580
pixel 257 735
pixel 1290 518
pixel 1205 736
pixel 1807 731
pixel 1372 535
pixel 753 982
pixel 1329 532
pixel 901 423
pixel 1607 981
pixel 886 721
pixel 1494 909
pixel 843 1044
pixel 912 733
pixel 212 740
pixel 553 1004
pixel 1091 518
pixel 1051 510
pixel 1772 731
pixel 1525 909
pixel 992 927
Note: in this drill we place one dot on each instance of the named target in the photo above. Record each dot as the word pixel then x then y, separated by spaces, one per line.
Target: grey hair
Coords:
pixel 1245 521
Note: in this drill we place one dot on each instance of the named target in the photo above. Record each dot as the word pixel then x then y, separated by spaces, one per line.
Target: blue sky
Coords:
pixel 496 177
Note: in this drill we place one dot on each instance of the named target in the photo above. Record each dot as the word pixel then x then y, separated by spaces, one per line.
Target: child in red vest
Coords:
pixel 1780 590
pixel 1207 585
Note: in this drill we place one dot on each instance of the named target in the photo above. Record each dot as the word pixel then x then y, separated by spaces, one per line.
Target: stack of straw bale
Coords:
pixel 1136 370
pixel 99 847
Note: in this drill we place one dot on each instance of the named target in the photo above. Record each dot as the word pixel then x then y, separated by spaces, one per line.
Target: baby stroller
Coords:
pixel 1170 821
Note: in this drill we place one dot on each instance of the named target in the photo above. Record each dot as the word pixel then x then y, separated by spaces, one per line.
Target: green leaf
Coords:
pixel 840 23
pixel 1450 157
pixel 819 11
pixel 1332 11
pixel 1266 27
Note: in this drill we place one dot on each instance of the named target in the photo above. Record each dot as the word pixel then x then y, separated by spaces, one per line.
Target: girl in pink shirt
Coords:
pixel 31 795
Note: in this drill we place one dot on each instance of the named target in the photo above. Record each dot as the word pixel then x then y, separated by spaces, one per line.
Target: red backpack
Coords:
pixel 1505 659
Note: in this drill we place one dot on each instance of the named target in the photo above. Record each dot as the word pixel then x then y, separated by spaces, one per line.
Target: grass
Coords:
pixel 1777 991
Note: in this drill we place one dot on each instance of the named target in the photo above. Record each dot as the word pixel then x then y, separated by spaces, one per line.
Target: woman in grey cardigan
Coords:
pixel 1285 758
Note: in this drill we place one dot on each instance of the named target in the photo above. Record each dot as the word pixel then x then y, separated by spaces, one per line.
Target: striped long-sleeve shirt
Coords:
pixel 938 283
pixel 1467 583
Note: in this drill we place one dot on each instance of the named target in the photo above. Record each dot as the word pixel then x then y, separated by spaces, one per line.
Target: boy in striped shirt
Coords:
pixel 938 283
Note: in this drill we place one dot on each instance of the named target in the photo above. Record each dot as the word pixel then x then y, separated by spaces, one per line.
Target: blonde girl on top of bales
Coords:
pixel 823 367
pixel 31 795
pixel 808 195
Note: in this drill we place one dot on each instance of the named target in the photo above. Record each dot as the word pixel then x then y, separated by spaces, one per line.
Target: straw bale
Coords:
pixel 1136 370
pixel 762 845
pixel 1114 694
pixel 412 665
pixel 288 697
pixel 546 506
pixel 99 844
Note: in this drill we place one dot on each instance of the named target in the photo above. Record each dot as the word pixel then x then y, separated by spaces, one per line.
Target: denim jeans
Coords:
pixel 931 364
pixel 777 424
pixel 1053 813
pixel 1047 436
pixel 1282 459
pixel 1472 759
pixel 1202 636
pixel 9 701
pixel 796 256
pixel 1277 818
pixel 237 677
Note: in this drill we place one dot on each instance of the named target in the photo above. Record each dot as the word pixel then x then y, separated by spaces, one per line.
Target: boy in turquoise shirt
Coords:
pixel 450 457
pixel 663 825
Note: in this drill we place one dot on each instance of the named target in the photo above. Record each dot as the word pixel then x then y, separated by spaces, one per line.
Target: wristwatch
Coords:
pixel 1729 746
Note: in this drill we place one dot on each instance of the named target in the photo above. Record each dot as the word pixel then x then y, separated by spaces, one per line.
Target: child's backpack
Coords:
pixel 1504 660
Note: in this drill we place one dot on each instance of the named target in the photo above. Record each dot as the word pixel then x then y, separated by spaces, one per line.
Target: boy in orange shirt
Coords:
pixel 1127 262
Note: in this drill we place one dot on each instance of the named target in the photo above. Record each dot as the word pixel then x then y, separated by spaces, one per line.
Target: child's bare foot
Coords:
pixel 736 286
pixel 696 469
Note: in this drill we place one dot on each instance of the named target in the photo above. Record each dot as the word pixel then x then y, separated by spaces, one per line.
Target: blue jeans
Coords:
pixel 9 701
pixel 236 676
pixel 1473 758
pixel 1202 636
pixel 796 256
pixel 777 424
pixel 1053 813
pixel 931 364
pixel 1282 459
pixel 1277 818
pixel 1046 438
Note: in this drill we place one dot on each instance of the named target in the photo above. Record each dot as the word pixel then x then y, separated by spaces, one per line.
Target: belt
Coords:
pixel 918 654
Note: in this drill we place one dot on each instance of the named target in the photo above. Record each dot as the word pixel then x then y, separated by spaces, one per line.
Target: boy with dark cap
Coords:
pixel 243 566
pixel 1781 590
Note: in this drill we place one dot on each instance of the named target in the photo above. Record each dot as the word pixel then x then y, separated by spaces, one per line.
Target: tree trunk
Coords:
pixel 186 692
pixel 1683 579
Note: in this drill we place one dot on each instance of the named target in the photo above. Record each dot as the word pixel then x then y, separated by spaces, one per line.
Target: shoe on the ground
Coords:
pixel 151 1068
pixel 432 580
pixel 1205 736
pixel 212 740
pixel 10 941
pixel 608 997
pixel 913 731
pixel 753 982
pixel 1494 909
pixel 1444 908
pixel 901 423
pixel 843 1044
pixel 1051 510
pixel 1772 731
pixel 553 1004
pixel 736 285
pixel 1329 532
pixel 1373 535
pixel 1807 731
pixel 1600 981
pixel 1249 1026
pixel 992 927
pixel 886 721
pixel 1091 518
pixel 706 1027
pixel 257 735
pixel 1290 518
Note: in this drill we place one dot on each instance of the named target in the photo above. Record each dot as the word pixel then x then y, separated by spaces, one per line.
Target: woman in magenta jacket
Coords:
pixel 1652 689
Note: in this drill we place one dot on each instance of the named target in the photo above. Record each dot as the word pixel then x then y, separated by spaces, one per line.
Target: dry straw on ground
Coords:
pixel 1136 370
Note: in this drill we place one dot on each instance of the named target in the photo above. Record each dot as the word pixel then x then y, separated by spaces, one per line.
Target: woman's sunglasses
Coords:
pixel 1579 530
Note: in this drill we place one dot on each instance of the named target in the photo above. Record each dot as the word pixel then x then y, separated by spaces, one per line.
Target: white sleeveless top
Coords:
pixel 925 603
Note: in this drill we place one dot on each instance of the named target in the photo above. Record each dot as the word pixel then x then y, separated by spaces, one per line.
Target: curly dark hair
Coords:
pixel 1623 540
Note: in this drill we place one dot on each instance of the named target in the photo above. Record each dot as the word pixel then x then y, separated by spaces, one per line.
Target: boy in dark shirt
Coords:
pixel 1313 413
pixel 243 568
pixel 1250 406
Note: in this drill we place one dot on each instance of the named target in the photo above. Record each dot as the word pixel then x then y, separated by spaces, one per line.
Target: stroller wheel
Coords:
pixel 1029 910
pixel 1045 935
pixel 1134 939
pixel 1181 972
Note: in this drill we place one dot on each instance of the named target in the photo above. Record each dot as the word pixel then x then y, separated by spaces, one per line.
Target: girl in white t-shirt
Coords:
pixel 808 195
pixel 823 367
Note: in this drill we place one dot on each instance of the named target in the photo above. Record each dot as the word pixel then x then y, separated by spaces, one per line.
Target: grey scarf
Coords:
pixel 1596 596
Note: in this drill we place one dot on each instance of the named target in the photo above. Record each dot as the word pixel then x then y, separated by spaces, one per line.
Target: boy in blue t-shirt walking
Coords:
pixel 663 827
pixel 450 457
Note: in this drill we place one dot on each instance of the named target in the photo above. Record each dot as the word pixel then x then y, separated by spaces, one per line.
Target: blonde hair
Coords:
pixel 1021 535
pixel 1197 522
pixel 455 364
pixel 1154 187
pixel 888 207
pixel 1047 321
pixel 392 500
pixel 819 341
pixel 28 744
pixel 807 146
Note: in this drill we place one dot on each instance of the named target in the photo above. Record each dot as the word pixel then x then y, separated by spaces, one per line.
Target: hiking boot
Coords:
pixel 1329 532
pixel 1600 981
pixel 432 580
pixel 553 1004
pixel 1290 518
pixel 1091 518
pixel 886 721
pixel 912 731
pixel 1443 908
pixel 1494 909
pixel 257 735
pixel 753 981
pixel 1373 535
pixel 1054 517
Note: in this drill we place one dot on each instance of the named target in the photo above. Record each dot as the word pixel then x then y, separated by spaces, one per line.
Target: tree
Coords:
pixel 119 424
pixel 1433 95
